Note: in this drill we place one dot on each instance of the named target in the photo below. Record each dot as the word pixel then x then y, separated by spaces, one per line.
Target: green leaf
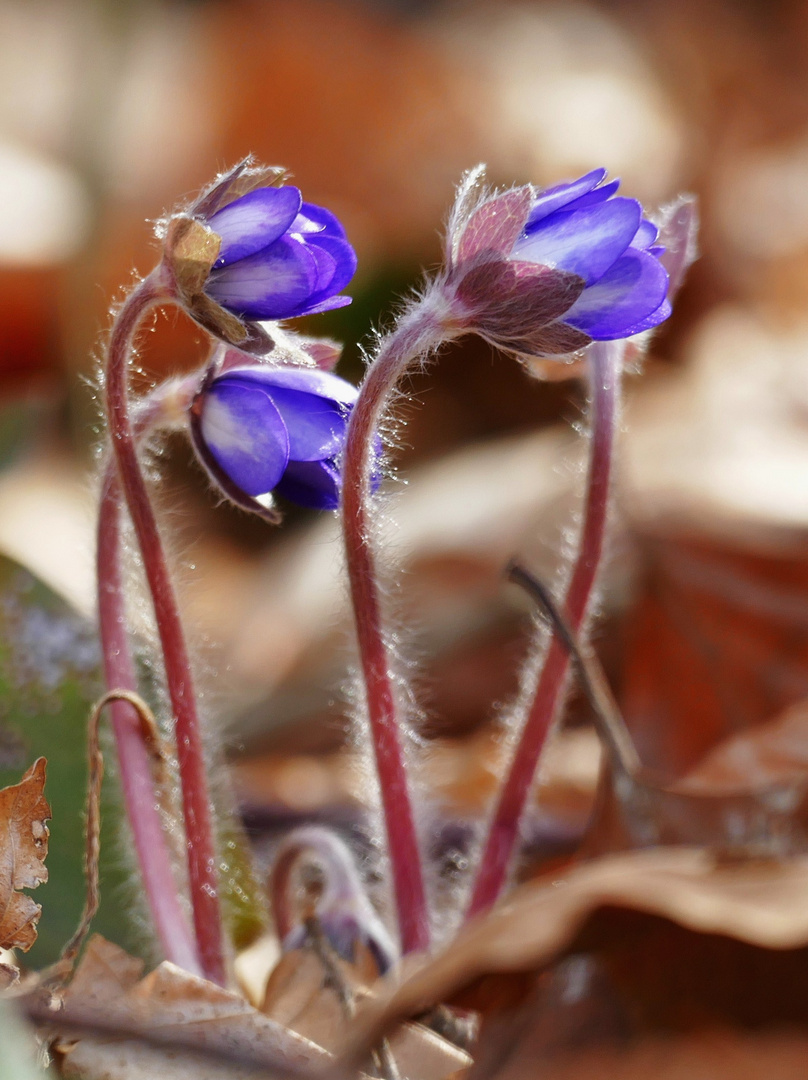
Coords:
pixel 49 679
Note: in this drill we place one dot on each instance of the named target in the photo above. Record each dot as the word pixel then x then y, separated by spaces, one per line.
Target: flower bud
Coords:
pixel 343 911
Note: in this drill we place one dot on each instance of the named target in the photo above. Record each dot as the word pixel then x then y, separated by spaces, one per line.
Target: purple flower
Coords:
pixel 246 251
pixel 546 273
pixel 583 228
pixel 279 257
pixel 259 430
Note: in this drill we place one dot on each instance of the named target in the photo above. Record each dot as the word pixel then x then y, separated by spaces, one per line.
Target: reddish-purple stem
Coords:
pixel 414 338
pixel 605 361
pixel 140 799
pixel 190 753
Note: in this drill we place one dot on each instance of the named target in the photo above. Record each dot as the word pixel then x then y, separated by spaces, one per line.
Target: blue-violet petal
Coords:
pixel 631 290
pixel 560 195
pixel 316 425
pixel 325 265
pixel 646 235
pixel 331 304
pixel 584 242
pixel 245 434
pixel 271 284
pixel 315 484
pixel 318 219
pixel 307 380
pixel 343 257
pixel 662 313
pixel 254 221
pixel 597 195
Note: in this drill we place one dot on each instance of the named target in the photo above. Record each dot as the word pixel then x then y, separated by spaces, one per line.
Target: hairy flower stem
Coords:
pixel 605 368
pixel 140 798
pixel 156 288
pixel 416 336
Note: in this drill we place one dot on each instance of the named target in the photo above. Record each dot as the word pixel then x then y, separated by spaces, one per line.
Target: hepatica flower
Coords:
pixel 279 257
pixel 260 430
pixel 548 272
pixel 584 228
pixel 247 252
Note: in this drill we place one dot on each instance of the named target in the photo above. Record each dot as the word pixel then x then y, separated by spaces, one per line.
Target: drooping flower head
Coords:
pixel 344 913
pixel 544 273
pixel 247 251
pixel 259 429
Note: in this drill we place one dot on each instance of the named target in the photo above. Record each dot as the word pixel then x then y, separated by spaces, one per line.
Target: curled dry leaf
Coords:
pixel 23 849
pixel 169 1023
pixel 177 1025
pixel 760 903
pixel 715 642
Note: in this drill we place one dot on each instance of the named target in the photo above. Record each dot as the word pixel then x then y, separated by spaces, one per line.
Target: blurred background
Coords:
pixel 111 112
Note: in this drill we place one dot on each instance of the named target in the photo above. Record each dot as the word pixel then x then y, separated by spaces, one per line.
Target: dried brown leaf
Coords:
pixel 182 1026
pixel 720 1055
pixel 760 903
pixel 170 1007
pixel 106 973
pixel 774 753
pixel 23 849
pixel 751 821
pixel 302 997
pixel 463 773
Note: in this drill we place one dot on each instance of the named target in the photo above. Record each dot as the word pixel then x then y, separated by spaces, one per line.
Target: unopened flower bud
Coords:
pixel 344 913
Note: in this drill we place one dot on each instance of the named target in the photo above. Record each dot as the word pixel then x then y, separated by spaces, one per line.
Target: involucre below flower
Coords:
pixel 247 252
pixel 545 273
pixel 260 429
